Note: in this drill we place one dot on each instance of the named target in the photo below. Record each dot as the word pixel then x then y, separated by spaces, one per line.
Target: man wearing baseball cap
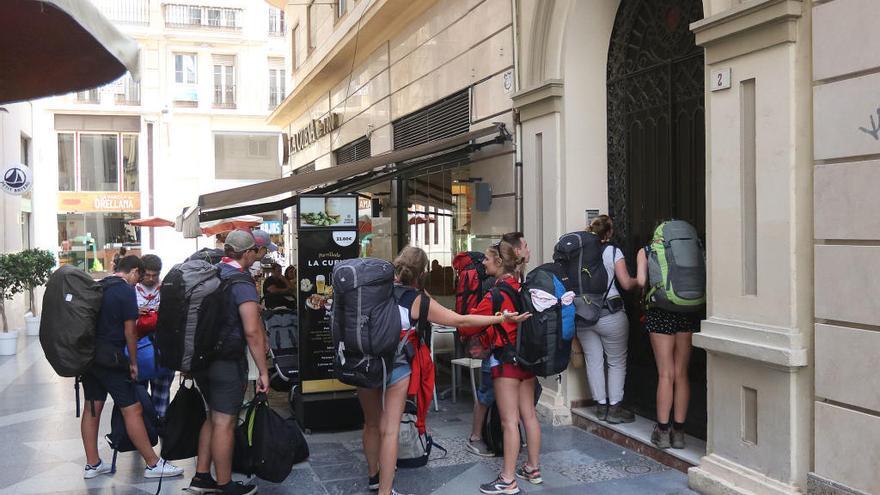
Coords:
pixel 224 380
pixel 264 242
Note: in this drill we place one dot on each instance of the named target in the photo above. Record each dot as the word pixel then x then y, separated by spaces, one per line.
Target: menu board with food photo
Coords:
pixel 317 212
pixel 318 253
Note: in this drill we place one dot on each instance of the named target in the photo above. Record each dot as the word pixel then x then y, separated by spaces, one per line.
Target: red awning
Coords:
pixel 152 222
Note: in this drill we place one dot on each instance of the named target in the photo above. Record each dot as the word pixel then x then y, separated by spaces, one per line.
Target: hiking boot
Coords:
pixel 660 438
pixel 162 469
pixel 533 476
pixel 238 488
pixel 617 414
pixel 601 411
pixel 373 483
pixel 500 487
pixel 479 447
pixel 201 486
pixel 98 469
pixel 677 439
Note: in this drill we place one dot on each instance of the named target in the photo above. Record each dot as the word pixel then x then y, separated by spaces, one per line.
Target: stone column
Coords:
pixel 759 221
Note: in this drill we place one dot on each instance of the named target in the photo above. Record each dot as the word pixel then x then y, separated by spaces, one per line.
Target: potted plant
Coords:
pixel 10 285
pixel 33 267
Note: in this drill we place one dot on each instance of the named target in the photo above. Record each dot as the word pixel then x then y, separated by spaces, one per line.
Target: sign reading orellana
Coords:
pixel 316 129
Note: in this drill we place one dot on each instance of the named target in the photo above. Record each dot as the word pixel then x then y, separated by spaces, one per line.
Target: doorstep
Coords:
pixel 637 436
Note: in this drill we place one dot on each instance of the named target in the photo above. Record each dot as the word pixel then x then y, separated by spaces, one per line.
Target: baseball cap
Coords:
pixel 240 241
pixel 263 240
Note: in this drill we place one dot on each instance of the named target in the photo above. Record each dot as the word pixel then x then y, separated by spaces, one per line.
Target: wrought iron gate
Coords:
pixel 656 158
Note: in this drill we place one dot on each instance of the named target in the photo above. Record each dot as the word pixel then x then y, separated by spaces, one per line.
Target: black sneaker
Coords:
pixel 374 482
pixel 201 486
pixel 617 414
pixel 500 487
pixel 238 488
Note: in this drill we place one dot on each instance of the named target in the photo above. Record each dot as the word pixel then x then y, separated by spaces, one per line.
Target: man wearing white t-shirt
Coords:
pixel 147 291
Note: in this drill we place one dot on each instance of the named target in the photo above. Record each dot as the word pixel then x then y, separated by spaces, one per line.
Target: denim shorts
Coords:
pixel 400 369
pixel 486 392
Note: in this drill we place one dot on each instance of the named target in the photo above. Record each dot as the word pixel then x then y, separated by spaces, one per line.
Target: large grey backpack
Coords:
pixel 676 268
pixel 365 321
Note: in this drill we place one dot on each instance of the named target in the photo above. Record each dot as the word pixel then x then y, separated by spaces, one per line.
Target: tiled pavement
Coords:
pixel 42 453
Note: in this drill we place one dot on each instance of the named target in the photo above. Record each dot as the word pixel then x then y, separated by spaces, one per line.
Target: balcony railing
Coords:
pixel 88 96
pixel 125 11
pixel 224 96
pixel 128 92
pixel 198 17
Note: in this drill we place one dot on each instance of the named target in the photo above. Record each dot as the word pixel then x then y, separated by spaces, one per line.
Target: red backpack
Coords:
pixel 469 291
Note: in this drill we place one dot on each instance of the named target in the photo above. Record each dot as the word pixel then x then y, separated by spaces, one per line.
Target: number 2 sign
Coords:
pixel 720 79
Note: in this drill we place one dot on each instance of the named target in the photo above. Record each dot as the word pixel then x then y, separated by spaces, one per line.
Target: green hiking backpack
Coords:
pixel 676 268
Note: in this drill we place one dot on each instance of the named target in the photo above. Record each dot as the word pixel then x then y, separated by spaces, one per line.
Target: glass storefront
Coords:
pixel 97 197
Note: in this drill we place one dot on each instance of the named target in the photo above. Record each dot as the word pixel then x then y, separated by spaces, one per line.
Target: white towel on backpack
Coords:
pixel 542 300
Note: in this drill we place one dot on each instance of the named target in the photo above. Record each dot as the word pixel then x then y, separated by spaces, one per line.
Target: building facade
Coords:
pixel 382 76
pixel 780 147
pixel 210 75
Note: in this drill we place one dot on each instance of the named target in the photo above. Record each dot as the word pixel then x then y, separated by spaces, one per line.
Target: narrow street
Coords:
pixel 43 453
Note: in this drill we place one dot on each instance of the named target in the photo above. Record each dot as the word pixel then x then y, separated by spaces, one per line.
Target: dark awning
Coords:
pixel 386 166
pixel 53 47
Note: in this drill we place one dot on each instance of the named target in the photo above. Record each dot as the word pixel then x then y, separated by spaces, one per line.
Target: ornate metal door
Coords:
pixel 656 158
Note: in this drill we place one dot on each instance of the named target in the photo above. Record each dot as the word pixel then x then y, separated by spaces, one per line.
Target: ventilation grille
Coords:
pixel 308 167
pixel 352 152
pixel 446 118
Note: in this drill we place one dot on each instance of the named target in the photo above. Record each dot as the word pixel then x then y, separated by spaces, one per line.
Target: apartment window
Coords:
pixel 294 44
pixel 312 20
pixel 224 81
pixel 341 8
pixel 26 151
pixel 130 162
pixel 126 91
pixel 99 162
pixel 88 96
pixel 277 76
pixel 214 17
pixel 106 161
pixel 66 165
pixel 185 68
pixel 276 21
pixel 240 156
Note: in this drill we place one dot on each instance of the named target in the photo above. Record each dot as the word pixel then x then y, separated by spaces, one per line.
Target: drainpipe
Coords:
pixel 517 126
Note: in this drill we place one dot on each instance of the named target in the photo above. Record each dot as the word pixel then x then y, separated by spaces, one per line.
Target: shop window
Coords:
pixel 90 240
pixel 130 162
pixel 66 166
pixel 246 156
pixel 99 162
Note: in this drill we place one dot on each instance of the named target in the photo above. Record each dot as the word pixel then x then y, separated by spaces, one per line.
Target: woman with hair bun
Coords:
pixel 382 425
pixel 608 339
pixel 514 386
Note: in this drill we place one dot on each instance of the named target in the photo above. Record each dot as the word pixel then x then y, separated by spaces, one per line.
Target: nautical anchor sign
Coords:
pixel 16 179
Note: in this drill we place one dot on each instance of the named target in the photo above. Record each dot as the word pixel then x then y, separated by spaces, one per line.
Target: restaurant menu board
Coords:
pixel 316 212
pixel 319 251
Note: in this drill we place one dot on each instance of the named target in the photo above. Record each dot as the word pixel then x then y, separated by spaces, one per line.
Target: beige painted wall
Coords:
pixel 847 245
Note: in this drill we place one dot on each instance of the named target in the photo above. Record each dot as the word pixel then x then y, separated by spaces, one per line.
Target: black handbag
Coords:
pixel 107 355
pixel 183 423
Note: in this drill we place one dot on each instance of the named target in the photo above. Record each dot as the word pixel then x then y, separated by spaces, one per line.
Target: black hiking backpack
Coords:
pixel 543 343
pixel 71 305
pixel 193 328
pixel 580 253
pixel 365 321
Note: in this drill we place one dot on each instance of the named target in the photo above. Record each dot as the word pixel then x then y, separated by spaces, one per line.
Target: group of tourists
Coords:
pixel 492 310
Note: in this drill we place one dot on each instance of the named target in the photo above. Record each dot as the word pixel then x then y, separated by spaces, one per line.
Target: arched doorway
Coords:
pixel 656 158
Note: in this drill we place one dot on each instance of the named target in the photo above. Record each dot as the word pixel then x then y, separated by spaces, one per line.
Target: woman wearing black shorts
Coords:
pixel 670 335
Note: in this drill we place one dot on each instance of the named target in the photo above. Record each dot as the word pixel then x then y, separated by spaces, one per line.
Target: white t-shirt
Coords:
pixel 610 256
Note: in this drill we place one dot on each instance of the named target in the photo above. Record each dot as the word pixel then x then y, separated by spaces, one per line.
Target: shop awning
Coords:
pixel 222 204
pixel 53 47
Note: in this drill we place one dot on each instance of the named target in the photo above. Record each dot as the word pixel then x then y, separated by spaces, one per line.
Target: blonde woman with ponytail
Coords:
pixel 514 386
pixel 382 425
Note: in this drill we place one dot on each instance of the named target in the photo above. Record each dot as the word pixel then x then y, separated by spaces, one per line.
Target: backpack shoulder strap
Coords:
pixel 497 300
pixel 424 325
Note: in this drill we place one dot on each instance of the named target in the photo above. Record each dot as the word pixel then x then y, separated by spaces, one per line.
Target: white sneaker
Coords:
pixel 92 471
pixel 162 469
